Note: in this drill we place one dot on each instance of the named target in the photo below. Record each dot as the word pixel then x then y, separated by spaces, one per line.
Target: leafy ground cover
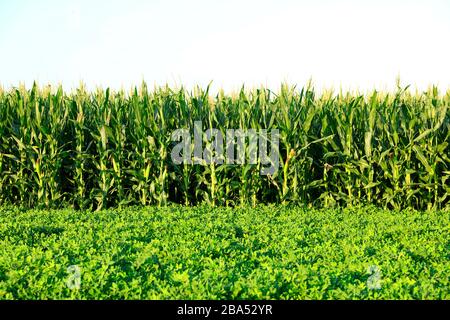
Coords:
pixel 267 252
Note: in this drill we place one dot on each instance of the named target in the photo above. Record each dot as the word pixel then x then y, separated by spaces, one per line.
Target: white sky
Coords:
pixel 353 44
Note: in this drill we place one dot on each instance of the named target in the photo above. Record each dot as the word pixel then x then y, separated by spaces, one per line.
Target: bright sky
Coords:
pixel 353 44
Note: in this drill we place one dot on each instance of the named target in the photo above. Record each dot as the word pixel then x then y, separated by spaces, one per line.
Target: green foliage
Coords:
pixel 108 149
pixel 266 252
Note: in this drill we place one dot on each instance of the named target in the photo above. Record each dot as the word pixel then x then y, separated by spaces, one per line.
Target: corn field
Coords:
pixel 98 149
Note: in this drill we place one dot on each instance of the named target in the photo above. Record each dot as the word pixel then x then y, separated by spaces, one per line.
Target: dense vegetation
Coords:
pixel 103 149
pixel 273 252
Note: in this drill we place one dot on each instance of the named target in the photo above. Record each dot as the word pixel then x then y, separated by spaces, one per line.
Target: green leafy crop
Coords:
pixel 267 252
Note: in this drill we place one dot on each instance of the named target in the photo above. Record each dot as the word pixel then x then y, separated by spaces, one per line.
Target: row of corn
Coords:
pixel 97 149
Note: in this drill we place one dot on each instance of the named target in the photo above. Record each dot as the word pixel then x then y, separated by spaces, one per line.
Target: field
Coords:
pixel 95 205
pixel 102 149
pixel 267 252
